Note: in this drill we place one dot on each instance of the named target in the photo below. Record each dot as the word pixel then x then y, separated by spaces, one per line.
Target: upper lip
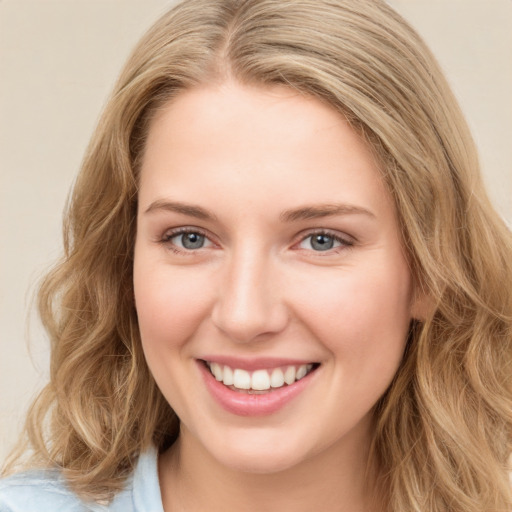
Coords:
pixel 255 363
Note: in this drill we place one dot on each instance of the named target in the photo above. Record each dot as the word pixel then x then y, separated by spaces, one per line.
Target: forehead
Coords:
pixel 256 116
pixel 257 141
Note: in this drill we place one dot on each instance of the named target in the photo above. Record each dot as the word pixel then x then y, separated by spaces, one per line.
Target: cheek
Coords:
pixel 170 304
pixel 364 325
pixel 361 315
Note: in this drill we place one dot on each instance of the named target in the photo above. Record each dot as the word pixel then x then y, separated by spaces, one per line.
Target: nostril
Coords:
pixel 251 322
pixel 248 306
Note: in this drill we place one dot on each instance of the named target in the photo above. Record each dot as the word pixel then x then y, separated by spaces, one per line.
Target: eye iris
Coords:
pixel 192 240
pixel 322 242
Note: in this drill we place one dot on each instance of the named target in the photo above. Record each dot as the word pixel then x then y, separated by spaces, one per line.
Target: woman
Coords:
pixel 284 286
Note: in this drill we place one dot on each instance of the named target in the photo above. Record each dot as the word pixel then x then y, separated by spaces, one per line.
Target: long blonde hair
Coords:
pixel 443 429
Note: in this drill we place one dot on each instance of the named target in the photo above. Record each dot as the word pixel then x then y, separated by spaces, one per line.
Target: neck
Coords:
pixel 335 480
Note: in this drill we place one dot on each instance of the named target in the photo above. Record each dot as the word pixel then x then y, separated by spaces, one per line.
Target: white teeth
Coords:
pixel 228 376
pixel 241 379
pixel 260 380
pixel 301 372
pixel 277 378
pixel 217 371
pixel 289 375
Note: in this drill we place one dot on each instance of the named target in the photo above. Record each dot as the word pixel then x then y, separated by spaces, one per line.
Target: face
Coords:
pixel 267 253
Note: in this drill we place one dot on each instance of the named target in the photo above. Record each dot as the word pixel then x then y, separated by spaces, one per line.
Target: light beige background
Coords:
pixel 58 61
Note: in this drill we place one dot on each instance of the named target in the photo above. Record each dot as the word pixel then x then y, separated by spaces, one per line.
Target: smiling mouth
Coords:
pixel 259 381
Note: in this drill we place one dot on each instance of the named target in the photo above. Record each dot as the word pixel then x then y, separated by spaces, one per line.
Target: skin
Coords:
pixel 258 287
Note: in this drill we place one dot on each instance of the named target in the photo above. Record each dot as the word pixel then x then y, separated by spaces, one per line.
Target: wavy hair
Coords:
pixel 443 429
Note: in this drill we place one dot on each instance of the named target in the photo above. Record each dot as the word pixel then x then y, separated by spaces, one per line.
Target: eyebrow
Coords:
pixel 292 215
pixel 323 210
pixel 183 208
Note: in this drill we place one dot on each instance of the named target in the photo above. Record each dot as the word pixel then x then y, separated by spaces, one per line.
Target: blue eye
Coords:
pixel 188 240
pixel 321 242
pixel 192 240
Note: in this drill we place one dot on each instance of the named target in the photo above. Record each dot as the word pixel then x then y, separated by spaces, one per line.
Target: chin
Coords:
pixel 260 464
pixel 258 454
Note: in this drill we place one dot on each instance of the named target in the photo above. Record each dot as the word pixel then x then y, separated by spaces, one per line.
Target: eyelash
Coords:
pixel 169 235
pixel 345 243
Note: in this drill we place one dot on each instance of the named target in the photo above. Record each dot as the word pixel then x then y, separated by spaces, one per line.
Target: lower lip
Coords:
pixel 245 404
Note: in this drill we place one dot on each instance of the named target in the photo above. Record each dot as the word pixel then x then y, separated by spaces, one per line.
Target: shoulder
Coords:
pixel 43 491
pixel 47 491
pixel 38 491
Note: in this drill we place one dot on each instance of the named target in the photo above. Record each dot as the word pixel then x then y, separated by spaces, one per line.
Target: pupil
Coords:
pixel 192 240
pixel 322 242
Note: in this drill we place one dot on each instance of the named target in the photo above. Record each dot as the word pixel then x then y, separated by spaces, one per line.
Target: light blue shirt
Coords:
pixel 46 491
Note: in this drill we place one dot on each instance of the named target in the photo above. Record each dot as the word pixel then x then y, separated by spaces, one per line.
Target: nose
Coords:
pixel 249 303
